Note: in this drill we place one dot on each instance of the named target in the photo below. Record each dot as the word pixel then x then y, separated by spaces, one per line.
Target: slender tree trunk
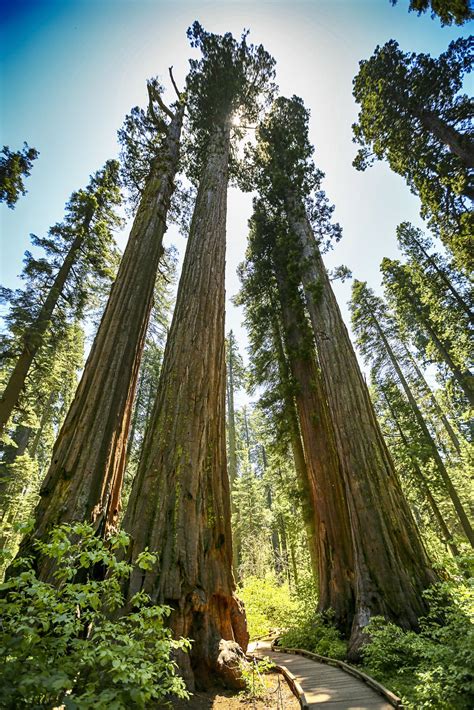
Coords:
pixel 328 497
pixel 85 476
pixel 302 474
pixel 463 377
pixel 391 566
pixel 284 547
pixel 33 337
pixel 464 520
pixel 45 414
pixel 421 478
pixel 425 386
pixel 232 463
pixel 180 501
pixel 459 144
pixel 447 282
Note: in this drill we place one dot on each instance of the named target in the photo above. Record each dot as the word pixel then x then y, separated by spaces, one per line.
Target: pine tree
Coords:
pixel 413 114
pixel 179 505
pixel 78 247
pixel 13 167
pixel 391 568
pixel 235 376
pixel 409 448
pixel 52 383
pixel 448 11
pixel 437 337
pixel 371 323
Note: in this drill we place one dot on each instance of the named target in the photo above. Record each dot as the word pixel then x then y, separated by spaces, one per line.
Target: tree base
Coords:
pixel 218 630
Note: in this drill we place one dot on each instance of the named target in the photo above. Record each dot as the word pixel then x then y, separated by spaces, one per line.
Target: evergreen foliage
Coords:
pixel 414 114
pixel 14 166
pixel 449 11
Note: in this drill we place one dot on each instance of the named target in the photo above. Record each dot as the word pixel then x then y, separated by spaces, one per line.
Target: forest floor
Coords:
pixel 278 697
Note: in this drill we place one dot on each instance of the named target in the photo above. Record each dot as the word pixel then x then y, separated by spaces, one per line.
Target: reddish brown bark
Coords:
pixel 180 501
pixel 85 476
pixel 391 566
pixel 326 485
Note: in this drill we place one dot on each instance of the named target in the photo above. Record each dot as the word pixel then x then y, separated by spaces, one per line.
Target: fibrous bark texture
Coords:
pixel 391 566
pixel 180 501
pixel 85 476
pixel 325 485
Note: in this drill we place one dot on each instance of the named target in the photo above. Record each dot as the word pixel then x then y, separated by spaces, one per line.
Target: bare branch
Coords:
pixel 174 83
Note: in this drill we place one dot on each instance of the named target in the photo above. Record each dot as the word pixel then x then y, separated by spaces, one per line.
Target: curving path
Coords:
pixel 323 685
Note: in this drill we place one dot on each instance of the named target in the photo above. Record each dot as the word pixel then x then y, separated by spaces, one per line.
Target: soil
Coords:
pixel 278 696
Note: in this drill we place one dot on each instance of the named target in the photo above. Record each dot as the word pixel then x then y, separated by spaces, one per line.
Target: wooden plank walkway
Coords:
pixel 324 685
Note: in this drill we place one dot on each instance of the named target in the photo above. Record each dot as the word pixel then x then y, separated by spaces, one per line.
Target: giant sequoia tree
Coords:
pixel 413 114
pixel 78 247
pixel 179 504
pixel 269 277
pixel 85 476
pixel 391 567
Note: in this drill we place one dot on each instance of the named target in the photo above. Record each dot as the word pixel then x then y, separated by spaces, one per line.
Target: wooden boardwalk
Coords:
pixel 324 685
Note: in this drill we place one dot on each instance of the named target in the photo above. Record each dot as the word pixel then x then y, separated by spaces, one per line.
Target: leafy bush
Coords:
pixel 432 669
pixel 62 644
pixel 316 634
pixel 268 605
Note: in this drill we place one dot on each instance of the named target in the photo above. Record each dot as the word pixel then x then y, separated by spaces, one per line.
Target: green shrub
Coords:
pixel 316 634
pixel 268 605
pixel 432 669
pixel 63 644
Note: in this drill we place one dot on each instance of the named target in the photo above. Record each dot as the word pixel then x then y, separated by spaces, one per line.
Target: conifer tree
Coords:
pixel 179 505
pixel 370 322
pixel 414 114
pixel 14 166
pixel 439 339
pixel 391 568
pixel 448 11
pixel 85 477
pixel 77 248
pixel 234 380
pixel 409 448
pixel 268 262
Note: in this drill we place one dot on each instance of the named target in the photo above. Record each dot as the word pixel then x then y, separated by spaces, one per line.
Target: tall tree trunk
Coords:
pixel 421 478
pixel 425 386
pixel 328 496
pixel 459 144
pixel 232 463
pixel 301 468
pixel 391 566
pixel 45 414
pixel 463 377
pixel 464 520
pixel 33 337
pixel 85 476
pixel 180 503
pixel 447 282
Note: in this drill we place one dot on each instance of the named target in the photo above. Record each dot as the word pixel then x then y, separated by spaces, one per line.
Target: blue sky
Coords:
pixel 72 69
